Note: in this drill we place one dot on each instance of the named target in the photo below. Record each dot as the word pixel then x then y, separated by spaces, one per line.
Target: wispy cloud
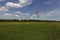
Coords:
pixel 2 0
pixel 48 2
pixel 52 15
pixel 3 9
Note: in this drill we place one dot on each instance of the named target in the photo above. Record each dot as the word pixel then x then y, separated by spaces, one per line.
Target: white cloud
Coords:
pixel 18 12
pixel 48 2
pixel 25 2
pixel 17 15
pixel 4 9
pixel 21 3
pixel 52 15
pixel 11 4
pixel 34 16
pixel 1 0
pixel 27 14
pixel 8 14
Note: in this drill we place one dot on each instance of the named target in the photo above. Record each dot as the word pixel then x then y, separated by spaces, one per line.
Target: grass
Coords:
pixel 29 31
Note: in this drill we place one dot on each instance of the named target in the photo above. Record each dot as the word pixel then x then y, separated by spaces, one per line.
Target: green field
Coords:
pixel 29 30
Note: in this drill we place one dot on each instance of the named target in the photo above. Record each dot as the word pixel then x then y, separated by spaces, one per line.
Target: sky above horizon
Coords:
pixel 25 9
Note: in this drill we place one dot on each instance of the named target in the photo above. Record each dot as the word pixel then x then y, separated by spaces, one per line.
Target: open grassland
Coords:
pixel 29 30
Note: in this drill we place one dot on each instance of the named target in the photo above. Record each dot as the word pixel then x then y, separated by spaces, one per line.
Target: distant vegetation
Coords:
pixel 16 20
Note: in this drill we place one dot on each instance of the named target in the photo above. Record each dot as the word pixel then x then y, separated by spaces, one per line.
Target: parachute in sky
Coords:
pixel 38 13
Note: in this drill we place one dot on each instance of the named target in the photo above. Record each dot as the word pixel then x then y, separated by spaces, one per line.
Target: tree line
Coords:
pixel 16 20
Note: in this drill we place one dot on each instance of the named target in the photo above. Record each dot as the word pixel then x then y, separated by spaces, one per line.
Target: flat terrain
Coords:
pixel 29 30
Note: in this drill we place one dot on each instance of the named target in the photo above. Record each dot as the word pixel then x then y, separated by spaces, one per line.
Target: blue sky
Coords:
pixel 25 9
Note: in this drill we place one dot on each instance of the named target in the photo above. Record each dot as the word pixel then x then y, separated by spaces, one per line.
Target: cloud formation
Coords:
pixel 48 2
pixel 10 16
pixel 21 3
pixel 14 5
pixel 3 9
pixel 2 0
pixel 51 15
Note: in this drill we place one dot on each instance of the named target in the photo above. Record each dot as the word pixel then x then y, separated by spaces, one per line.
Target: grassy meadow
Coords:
pixel 29 30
